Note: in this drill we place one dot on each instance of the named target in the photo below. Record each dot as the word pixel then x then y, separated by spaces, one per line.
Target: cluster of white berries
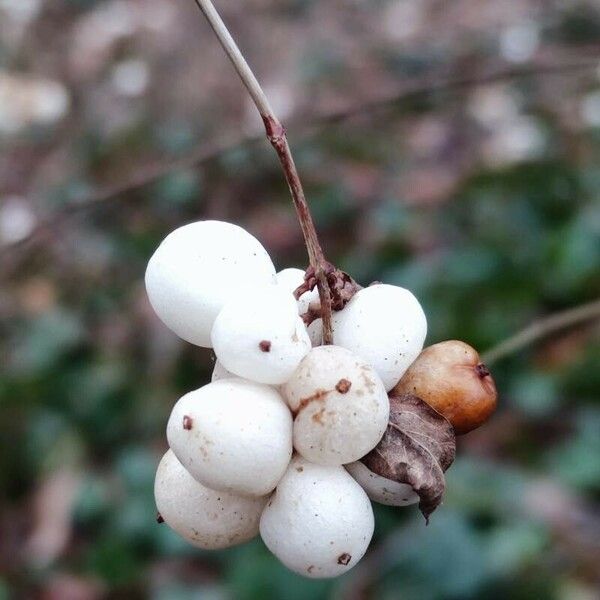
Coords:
pixel 231 470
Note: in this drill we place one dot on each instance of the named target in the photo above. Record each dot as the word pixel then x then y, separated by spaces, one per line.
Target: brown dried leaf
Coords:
pixel 417 447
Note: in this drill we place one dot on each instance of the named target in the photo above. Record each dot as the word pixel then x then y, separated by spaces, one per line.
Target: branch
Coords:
pixel 144 176
pixel 276 135
pixel 304 123
pixel 552 64
pixel 541 329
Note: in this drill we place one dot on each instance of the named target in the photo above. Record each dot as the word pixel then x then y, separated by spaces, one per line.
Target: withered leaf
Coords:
pixel 417 447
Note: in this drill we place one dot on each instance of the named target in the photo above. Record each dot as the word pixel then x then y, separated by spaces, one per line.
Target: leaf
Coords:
pixel 417 447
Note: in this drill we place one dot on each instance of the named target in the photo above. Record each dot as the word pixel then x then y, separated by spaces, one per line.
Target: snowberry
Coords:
pixel 290 280
pixel 385 325
pixel 380 489
pixel 220 372
pixel 319 522
pixel 233 435
pixel 315 332
pixel 340 404
pixel 205 518
pixel 197 268
pixel 451 378
pixel 260 336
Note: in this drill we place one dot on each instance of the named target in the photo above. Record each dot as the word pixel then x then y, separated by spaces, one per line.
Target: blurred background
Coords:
pixel 449 147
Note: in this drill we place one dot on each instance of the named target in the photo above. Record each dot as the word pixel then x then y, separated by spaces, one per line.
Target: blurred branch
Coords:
pixel 545 64
pixel 541 329
pixel 275 132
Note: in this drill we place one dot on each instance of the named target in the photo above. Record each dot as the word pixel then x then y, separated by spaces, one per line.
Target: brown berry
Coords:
pixel 450 377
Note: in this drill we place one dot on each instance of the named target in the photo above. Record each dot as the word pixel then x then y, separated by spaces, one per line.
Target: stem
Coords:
pixel 276 135
pixel 543 328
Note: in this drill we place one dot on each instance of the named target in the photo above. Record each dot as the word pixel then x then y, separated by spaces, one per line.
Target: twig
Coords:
pixel 542 328
pixel 276 135
pixel 204 153
pixel 552 64
pixel 101 197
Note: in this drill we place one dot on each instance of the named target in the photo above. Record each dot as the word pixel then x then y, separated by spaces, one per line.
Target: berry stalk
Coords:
pixel 275 132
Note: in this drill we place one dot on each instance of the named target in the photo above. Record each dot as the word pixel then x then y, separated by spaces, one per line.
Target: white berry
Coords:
pixel 290 280
pixel 204 517
pixel 233 435
pixel 380 489
pixel 340 404
pixel 319 522
pixel 220 372
pixel 260 336
pixel 197 268
pixel 386 326
pixel 315 332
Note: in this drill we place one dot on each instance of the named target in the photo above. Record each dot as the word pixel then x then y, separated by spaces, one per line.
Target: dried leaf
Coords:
pixel 417 447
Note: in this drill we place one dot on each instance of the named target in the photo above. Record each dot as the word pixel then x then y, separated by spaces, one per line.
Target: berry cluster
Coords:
pixel 370 417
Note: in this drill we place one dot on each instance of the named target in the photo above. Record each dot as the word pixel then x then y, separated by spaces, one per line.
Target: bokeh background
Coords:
pixel 449 147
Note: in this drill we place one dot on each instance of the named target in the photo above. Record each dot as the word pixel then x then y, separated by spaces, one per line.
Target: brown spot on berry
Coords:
pixel 318 416
pixel 310 569
pixel 344 559
pixel 369 383
pixel 187 422
pixel 159 518
pixel 318 396
pixel 265 346
pixel 299 469
pixel 343 385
